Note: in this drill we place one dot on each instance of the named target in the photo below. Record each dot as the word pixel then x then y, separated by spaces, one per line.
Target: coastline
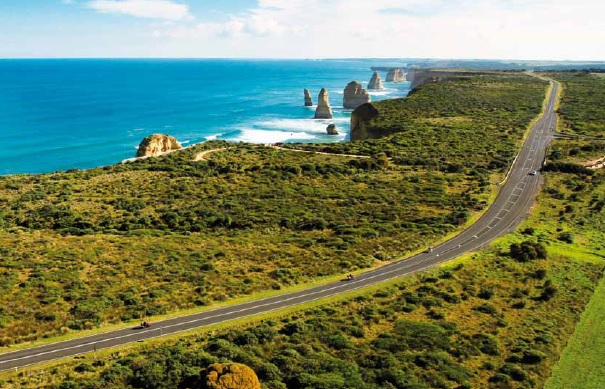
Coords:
pixel 100 119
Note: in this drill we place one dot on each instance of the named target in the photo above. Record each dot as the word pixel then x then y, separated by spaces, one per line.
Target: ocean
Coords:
pixel 64 114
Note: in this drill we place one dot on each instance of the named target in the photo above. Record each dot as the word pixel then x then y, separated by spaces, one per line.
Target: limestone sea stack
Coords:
pixel 354 95
pixel 157 144
pixel 308 100
pixel 375 82
pixel 323 111
pixel 395 75
pixel 331 129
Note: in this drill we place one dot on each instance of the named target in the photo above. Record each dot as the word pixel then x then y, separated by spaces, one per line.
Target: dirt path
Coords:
pixel 202 154
pixel 596 164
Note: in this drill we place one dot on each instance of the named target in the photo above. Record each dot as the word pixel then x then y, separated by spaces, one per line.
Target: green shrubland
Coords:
pixel 83 249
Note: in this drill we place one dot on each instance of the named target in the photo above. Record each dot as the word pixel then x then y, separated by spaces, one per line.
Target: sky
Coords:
pixel 487 29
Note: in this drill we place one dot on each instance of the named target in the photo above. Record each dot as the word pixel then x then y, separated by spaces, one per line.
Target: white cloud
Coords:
pixel 152 9
pixel 524 29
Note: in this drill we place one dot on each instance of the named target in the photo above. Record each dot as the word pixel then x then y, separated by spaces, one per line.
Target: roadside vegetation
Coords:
pixel 82 249
pixel 495 319
pixel 580 223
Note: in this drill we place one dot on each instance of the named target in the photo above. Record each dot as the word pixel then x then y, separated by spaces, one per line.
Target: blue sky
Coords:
pixel 506 29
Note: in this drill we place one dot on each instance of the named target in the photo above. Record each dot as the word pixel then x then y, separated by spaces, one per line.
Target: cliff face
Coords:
pixel 323 111
pixel 375 82
pixel 359 122
pixel 308 100
pixel 157 144
pixel 354 95
pixel 425 76
pixel 395 75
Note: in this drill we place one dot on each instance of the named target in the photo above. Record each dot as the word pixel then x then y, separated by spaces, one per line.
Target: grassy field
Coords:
pixel 81 250
pixel 582 364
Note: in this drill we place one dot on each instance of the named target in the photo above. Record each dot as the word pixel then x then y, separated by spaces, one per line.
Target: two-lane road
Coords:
pixel 510 207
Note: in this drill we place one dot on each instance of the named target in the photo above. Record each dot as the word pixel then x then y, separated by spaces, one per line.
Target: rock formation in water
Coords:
pixel 395 75
pixel 229 376
pixel 323 111
pixel 375 82
pixel 359 122
pixel 308 100
pixel 331 129
pixel 157 144
pixel 354 95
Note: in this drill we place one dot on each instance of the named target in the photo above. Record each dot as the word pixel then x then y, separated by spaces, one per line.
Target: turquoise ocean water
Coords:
pixel 62 114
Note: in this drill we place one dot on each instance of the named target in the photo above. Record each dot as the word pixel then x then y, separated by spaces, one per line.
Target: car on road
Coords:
pixel 533 173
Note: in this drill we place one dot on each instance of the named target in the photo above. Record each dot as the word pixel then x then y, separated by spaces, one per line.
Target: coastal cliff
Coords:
pixel 420 77
pixel 157 144
pixel 396 75
pixel 354 95
pixel 359 122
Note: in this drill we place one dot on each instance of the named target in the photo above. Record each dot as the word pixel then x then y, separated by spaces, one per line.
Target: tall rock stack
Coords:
pixel 308 100
pixel 323 111
pixel 157 144
pixel 354 95
pixel 395 75
pixel 375 82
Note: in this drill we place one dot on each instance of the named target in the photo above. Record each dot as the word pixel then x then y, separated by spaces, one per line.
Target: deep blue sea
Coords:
pixel 62 114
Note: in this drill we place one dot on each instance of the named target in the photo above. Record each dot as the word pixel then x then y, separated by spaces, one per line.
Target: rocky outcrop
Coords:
pixel 308 100
pixel 323 111
pixel 360 119
pixel 395 75
pixel 229 376
pixel 375 82
pixel 354 95
pixel 331 129
pixel 157 144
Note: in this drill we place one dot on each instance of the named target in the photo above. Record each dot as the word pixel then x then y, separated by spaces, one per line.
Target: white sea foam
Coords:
pixel 269 136
pixel 380 93
pixel 314 126
pixel 212 137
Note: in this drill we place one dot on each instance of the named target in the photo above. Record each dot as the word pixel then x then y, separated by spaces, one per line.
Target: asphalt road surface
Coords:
pixel 511 206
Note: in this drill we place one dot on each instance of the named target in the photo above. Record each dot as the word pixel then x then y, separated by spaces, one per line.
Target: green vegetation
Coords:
pixel 581 220
pixel 582 364
pixel 481 322
pixel 83 249
pixel 582 103
pixel 495 319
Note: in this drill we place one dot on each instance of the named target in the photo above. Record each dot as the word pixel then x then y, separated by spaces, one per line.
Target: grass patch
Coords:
pixel 582 364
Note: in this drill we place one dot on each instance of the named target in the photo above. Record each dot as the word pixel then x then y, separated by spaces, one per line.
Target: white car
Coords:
pixel 533 173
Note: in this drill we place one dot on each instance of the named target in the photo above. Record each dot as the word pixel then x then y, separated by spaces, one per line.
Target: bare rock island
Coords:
pixel 396 75
pixel 157 144
pixel 331 129
pixel 354 95
pixel 308 100
pixel 375 82
pixel 323 111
